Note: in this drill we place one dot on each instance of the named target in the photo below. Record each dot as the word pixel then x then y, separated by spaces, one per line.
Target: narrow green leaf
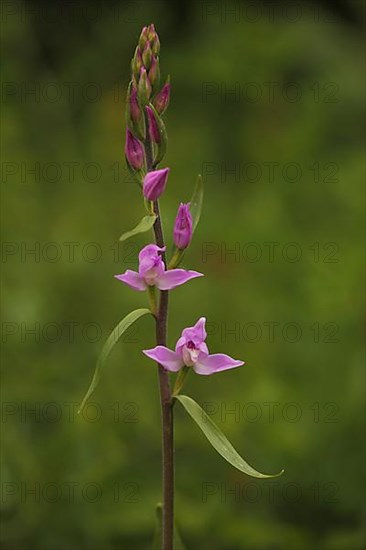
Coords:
pixel 197 201
pixel 158 535
pixel 178 543
pixel 145 224
pixel 109 345
pixel 217 438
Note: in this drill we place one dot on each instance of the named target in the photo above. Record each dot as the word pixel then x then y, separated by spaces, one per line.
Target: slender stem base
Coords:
pixel 166 412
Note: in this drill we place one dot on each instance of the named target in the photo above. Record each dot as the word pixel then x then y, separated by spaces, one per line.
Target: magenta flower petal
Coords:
pixel 134 151
pixel 150 252
pixel 161 100
pixel 153 126
pixel 132 279
pixel 169 359
pixel 183 227
pixel 150 258
pixel 154 183
pixel 134 105
pixel 175 277
pixel 197 333
pixel 215 363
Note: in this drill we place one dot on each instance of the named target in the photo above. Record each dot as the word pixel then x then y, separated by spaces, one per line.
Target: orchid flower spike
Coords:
pixel 191 351
pixel 152 272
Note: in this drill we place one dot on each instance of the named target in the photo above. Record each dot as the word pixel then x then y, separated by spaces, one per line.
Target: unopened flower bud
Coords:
pixel 134 151
pixel 161 100
pixel 155 183
pixel 153 126
pixel 143 37
pixel 147 55
pixel 134 113
pixel 151 32
pixel 152 36
pixel 154 72
pixel 134 105
pixel 144 86
pixel 157 134
pixel 155 44
pixel 136 62
pixel 183 227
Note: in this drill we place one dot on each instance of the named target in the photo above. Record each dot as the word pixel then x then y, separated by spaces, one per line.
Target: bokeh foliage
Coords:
pixel 322 451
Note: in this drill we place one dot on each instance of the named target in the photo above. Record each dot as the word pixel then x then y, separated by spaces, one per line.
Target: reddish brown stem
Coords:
pixel 164 385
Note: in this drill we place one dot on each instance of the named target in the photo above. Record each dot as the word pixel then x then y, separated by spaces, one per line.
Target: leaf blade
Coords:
pixel 144 225
pixel 196 202
pixel 108 346
pixel 218 440
pixel 158 535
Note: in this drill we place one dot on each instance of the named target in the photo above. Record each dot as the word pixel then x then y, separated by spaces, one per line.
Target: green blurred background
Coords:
pixel 93 482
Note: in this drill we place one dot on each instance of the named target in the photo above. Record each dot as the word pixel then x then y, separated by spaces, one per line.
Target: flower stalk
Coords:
pixel 152 300
pixel 164 384
pixel 179 381
pixel 176 258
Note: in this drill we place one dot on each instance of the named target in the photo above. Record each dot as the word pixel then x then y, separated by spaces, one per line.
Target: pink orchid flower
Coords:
pixel 152 272
pixel 191 351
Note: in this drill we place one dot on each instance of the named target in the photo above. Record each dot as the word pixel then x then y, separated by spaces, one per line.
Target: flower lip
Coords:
pixel 191 353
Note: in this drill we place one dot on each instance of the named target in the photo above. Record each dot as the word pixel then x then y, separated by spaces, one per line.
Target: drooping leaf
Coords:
pixel 109 345
pixel 218 439
pixel 197 201
pixel 145 224
pixel 158 535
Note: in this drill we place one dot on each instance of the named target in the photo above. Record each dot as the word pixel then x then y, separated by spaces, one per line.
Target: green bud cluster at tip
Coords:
pixel 145 64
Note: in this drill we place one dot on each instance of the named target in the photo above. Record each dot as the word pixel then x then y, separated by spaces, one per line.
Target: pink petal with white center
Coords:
pixel 132 279
pixel 175 277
